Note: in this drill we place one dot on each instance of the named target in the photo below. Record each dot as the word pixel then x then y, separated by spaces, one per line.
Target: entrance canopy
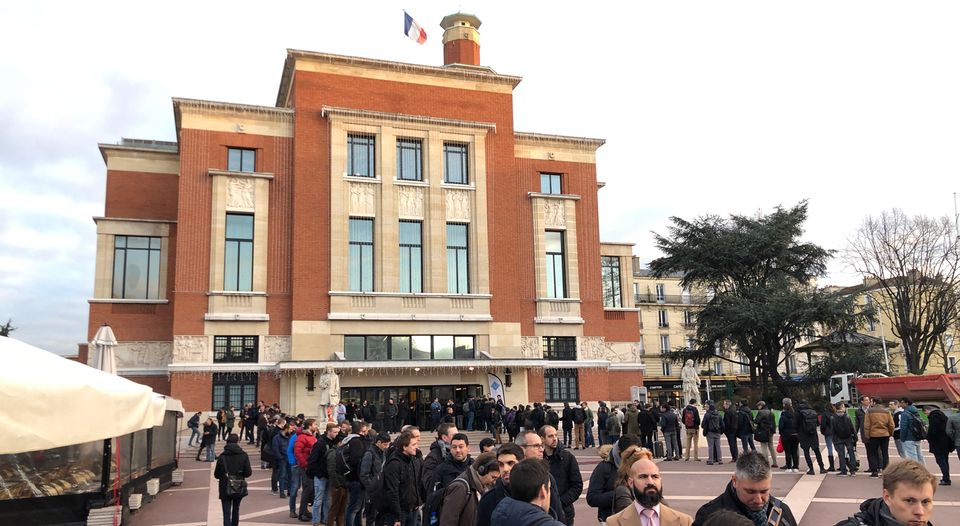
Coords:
pixel 49 401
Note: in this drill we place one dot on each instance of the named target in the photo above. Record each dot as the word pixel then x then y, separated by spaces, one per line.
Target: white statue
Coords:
pixel 329 393
pixel 691 383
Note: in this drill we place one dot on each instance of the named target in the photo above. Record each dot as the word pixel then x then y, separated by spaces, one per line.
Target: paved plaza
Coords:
pixel 818 500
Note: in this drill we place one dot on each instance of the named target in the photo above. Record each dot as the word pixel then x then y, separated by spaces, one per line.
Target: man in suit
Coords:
pixel 647 509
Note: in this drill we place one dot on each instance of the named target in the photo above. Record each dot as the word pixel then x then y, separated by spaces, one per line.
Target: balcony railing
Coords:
pixel 675 299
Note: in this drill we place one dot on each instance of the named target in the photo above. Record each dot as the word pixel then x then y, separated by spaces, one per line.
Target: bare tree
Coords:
pixel 7 328
pixel 914 264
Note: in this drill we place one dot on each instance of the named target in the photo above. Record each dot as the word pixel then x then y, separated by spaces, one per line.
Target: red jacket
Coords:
pixel 302 447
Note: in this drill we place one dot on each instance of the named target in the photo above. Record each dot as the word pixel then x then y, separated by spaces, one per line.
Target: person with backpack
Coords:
pixel 267 459
pixel 587 426
pixel 565 469
pixel 789 428
pixel 401 483
pixel 845 440
pixel 878 427
pixel 370 468
pixel 911 434
pixel 550 418
pixel 452 466
pixel 278 448
pixel 691 425
pixel 232 470
pixel 745 427
pixel 336 486
pixel 439 451
pixel 194 426
pixel 809 425
pixel 602 413
pixel 350 455
pixel 512 423
pixel 713 429
pixel 731 428
pixel 668 425
pixel 941 445
pixel 579 415
pixel 462 496
pixel 763 430
pixel 317 472
pixel 614 429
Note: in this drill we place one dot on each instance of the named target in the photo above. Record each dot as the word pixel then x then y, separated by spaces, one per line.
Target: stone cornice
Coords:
pixel 583 143
pixel 208 107
pixel 484 75
pixel 367 115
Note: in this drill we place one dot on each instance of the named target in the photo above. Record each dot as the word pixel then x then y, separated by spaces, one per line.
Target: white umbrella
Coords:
pixel 104 342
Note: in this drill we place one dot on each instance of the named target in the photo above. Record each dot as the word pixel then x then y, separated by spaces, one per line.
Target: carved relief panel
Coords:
pixel 363 199
pixel 554 214
pixel 143 355
pixel 192 349
pixel 530 347
pixel 276 349
pixel 458 205
pixel 240 193
pixel 410 200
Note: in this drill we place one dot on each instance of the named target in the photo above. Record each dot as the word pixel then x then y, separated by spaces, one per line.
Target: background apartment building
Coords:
pixel 383 219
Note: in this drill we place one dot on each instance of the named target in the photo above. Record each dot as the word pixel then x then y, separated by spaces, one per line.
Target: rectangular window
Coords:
pixel 241 160
pixel 953 365
pixel 561 385
pixel 664 343
pixel 457 259
pixel 361 254
pixel 411 256
pixel 792 365
pixel 228 349
pixel 744 365
pixel 238 253
pixel 717 368
pixel 689 319
pixel 234 389
pixel 360 155
pixel 556 269
pixel 382 348
pixel 136 267
pixel 550 184
pixel 690 343
pixel 560 347
pixel 610 272
pixel 661 292
pixel 663 320
pixel 455 163
pixel 410 159
pixel 667 369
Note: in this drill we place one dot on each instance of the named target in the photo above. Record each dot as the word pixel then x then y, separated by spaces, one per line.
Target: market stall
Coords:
pixel 75 437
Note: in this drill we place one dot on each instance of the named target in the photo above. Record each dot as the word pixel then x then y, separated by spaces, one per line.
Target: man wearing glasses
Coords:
pixel 528 445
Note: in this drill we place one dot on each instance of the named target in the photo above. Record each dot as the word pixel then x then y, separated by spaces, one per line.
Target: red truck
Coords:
pixel 930 390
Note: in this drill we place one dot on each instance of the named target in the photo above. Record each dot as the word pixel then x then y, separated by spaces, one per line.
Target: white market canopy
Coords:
pixel 50 401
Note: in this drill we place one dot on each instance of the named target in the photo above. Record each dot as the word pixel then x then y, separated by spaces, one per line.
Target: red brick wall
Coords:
pixel 593 383
pixel 268 388
pixel 193 389
pixel 159 384
pixel 620 382
pixel 141 195
pixel 535 385
pixel 461 51
pixel 132 321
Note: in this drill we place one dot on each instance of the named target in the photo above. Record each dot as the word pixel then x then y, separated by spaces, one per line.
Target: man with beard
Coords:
pixel 646 485
pixel 908 490
pixel 748 494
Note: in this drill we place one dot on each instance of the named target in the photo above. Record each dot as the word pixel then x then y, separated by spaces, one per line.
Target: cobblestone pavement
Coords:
pixel 817 500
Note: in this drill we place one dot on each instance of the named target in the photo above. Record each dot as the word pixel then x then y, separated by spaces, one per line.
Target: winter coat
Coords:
pixel 460 500
pixel 356 447
pixel 744 422
pixel 370 466
pixel 696 416
pixel 789 423
pixel 766 425
pixel 279 445
pixel 565 469
pixel 579 415
pixel 730 421
pixel 194 422
pixel 873 512
pixel 896 423
pixel 843 430
pixel 210 434
pixel 879 423
pixel 808 439
pixel 647 424
pixel 669 422
pixel 233 461
pixel 335 479
pixel 400 483
pixel 711 416
pixel 391 410
pixel 444 474
pixel 632 423
pixel 940 443
pixel 602 415
pixel 317 461
pixel 303 447
pixel 613 425
pixel 567 418
pixel 728 501
pixel 906 422
pixel 826 424
pixel 603 482
pixel 953 429
pixel 438 453
pixel 491 499
pixel 519 513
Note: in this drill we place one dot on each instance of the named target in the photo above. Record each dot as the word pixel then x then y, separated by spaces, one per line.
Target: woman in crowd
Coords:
pixel 233 468
pixel 789 432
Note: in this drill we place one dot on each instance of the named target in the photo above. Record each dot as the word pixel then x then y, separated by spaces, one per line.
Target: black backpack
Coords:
pixel 343 452
pixel 434 504
pixel 552 418
pixel 810 423
pixel 714 425
pixel 375 493
pixel 918 427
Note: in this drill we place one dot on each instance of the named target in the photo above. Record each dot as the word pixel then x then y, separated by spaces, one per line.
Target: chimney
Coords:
pixel 461 40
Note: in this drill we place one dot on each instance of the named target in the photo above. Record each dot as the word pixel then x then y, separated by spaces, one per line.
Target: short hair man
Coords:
pixel 748 493
pixel 908 490
pixel 565 470
pixel 646 485
pixel 529 500
pixel 453 465
pixel 439 451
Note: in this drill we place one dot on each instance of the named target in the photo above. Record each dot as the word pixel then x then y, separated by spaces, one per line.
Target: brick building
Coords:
pixel 383 219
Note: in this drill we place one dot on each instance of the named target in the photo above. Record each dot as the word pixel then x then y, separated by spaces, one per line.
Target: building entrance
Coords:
pixel 414 401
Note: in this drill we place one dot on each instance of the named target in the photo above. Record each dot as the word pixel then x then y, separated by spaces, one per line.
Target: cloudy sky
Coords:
pixel 707 107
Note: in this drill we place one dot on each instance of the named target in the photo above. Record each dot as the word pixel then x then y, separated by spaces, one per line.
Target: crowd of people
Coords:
pixel 346 473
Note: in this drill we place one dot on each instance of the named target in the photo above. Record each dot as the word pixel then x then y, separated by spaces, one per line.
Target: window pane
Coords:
pixel 135 279
pixel 245 269
pixel 153 279
pixel 455 163
pixel 416 270
pixel 360 155
pixel 409 159
pixel 456 235
pixel 361 230
pixel 400 348
pixel 462 272
pixel 443 347
pixel 376 347
pixel 239 226
pixel 118 263
pixel 353 347
pixel 421 347
pixel 451 270
pixel 231 265
pixel 247 163
pixel 233 159
pixel 366 267
pixel 463 348
pixel 550 183
pixel 554 242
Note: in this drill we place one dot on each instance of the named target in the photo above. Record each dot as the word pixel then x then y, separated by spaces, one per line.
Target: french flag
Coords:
pixel 413 29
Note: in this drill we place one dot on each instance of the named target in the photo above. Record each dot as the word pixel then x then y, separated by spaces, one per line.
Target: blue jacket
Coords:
pixel 280 444
pixel 519 513
pixel 906 423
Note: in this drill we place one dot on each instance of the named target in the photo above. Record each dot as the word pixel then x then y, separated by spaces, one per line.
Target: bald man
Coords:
pixel 647 489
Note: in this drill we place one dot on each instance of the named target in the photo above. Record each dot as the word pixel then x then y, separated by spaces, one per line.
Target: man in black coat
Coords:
pixel 648 425
pixel 748 494
pixel 564 468
pixel 451 467
pixel 730 427
pixel 508 456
